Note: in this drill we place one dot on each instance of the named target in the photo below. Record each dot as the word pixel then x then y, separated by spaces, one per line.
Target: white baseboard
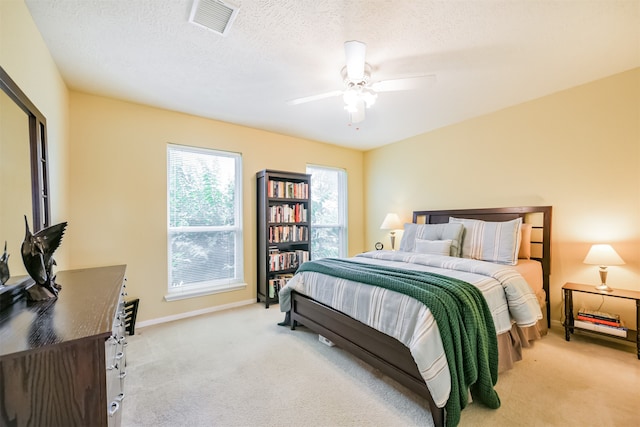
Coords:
pixel 193 313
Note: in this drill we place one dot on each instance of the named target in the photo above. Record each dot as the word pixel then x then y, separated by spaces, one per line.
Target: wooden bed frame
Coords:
pixel 389 355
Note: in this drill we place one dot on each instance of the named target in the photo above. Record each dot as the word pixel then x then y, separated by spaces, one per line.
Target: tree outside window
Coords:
pixel 204 230
pixel 328 212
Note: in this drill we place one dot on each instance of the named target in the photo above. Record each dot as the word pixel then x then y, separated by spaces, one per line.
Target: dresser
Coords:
pixel 62 362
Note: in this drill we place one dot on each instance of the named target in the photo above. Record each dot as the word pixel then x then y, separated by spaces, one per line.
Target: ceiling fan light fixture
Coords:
pixel 350 98
pixel 368 96
pixel 357 115
pixel 358 97
pixel 351 108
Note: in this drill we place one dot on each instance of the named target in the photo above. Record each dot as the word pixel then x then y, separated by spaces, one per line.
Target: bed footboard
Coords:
pixel 379 350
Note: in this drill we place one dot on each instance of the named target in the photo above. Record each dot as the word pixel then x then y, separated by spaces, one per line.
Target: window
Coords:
pixel 205 226
pixel 328 212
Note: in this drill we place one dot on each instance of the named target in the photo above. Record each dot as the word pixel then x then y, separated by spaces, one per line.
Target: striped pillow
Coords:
pixel 497 242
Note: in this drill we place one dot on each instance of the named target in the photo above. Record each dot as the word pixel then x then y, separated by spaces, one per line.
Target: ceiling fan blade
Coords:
pixel 407 83
pixel 354 52
pixel 315 97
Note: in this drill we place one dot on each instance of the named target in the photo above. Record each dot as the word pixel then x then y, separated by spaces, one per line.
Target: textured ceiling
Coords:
pixel 486 55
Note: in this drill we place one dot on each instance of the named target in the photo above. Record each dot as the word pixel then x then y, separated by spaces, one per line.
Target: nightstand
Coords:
pixel 569 327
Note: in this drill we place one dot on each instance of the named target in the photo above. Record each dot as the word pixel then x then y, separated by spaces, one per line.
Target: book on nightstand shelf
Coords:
pixel 619 331
pixel 599 315
pixel 615 324
pixel 600 321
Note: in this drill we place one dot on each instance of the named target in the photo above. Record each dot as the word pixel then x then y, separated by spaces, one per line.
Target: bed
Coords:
pixel 386 351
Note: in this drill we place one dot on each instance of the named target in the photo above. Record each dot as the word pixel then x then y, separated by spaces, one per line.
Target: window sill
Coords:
pixel 199 292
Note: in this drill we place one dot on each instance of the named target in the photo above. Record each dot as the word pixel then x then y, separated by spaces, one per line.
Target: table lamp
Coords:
pixel 391 222
pixel 603 255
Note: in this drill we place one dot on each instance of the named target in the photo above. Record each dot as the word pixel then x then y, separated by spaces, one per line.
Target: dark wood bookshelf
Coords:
pixel 284 228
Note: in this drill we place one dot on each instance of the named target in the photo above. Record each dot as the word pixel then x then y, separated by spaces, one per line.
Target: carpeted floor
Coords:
pixel 238 368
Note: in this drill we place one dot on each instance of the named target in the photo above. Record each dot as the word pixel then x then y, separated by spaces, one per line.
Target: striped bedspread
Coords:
pixel 508 296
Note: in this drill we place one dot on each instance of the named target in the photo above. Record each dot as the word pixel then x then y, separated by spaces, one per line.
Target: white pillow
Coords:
pixel 443 231
pixel 497 242
pixel 435 247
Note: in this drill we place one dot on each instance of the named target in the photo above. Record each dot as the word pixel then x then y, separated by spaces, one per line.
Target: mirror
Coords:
pixel 23 170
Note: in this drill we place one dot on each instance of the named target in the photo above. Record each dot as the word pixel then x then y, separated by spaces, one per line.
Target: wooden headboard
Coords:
pixel 538 216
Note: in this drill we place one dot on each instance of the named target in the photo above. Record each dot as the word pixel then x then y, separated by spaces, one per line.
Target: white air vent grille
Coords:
pixel 213 15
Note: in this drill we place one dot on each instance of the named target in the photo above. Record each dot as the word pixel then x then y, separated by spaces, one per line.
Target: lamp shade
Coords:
pixel 391 222
pixel 603 255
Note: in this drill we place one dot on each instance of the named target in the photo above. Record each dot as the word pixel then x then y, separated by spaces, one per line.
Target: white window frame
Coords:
pixel 342 208
pixel 211 286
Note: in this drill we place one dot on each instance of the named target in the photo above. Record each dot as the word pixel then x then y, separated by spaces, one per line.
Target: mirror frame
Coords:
pixel 38 148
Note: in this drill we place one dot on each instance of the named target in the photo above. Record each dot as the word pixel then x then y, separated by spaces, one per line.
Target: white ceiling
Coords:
pixel 486 55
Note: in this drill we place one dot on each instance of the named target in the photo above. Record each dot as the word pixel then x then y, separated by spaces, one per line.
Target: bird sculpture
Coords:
pixel 4 266
pixel 37 255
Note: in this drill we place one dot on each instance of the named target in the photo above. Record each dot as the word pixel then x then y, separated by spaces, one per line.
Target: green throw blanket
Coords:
pixel 461 313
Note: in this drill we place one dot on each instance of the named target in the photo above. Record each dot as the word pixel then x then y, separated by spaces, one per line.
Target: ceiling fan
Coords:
pixel 360 92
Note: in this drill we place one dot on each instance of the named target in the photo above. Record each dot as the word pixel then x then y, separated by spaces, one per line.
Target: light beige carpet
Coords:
pixel 238 368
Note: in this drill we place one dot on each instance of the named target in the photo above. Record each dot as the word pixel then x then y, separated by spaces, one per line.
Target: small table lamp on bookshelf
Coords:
pixel 391 222
pixel 604 256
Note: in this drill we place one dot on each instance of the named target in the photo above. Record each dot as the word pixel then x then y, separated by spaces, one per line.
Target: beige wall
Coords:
pixel 25 57
pixel 576 150
pixel 118 191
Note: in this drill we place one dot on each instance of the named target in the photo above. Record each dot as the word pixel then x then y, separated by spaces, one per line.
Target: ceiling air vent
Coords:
pixel 213 15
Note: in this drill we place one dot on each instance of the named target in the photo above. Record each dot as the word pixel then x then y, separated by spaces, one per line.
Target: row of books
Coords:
pixel 601 315
pixel 288 190
pixel 288 213
pixel 278 283
pixel 600 321
pixel 279 261
pixel 288 233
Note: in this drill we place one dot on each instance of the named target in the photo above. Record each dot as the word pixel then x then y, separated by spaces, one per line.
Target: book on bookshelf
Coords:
pixel 288 233
pixel 279 261
pixel 288 213
pixel 287 190
pixel 277 283
pixel 605 329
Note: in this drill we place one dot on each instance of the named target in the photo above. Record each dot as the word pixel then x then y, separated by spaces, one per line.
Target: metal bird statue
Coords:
pixel 4 266
pixel 37 255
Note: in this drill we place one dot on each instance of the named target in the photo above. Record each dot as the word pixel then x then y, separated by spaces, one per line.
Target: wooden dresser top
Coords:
pixel 85 307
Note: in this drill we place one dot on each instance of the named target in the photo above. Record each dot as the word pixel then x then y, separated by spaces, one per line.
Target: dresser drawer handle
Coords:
pixel 123 374
pixel 119 355
pixel 120 397
pixel 113 408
